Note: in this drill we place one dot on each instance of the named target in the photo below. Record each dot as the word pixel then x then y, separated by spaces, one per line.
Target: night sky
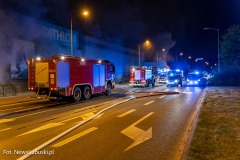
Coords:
pixel 131 22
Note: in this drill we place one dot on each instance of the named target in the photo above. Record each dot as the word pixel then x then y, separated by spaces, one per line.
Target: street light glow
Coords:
pixel 146 43
pixel 85 13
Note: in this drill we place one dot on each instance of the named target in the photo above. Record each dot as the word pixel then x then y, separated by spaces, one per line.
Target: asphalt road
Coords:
pixel 152 127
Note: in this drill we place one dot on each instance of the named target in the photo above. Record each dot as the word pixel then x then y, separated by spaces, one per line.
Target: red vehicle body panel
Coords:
pixel 59 75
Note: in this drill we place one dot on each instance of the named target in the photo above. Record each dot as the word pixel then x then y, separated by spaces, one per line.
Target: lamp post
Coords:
pixel 139 52
pixel 85 13
pixel 216 29
pixel 180 54
pixel 163 50
pixel 147 42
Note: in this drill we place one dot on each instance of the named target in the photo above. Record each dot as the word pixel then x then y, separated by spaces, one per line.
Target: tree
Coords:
pixel 230 49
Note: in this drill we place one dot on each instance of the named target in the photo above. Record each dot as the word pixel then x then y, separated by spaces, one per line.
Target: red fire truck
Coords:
pixel 140 76
pixel 65 76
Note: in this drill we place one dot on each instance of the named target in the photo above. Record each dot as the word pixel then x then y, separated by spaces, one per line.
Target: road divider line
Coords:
pixel 17 103
pixel 13 119
pixel 126 113
pixel 69 130
pixel 7 120
pixel 162 96
pixel 34 113
pixel 10 109
pixel 148 103
pixel 27 109
pixel 74 137
pixel 4 129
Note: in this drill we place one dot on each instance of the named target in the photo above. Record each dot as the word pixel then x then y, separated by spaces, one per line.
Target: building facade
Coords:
pixel 24 37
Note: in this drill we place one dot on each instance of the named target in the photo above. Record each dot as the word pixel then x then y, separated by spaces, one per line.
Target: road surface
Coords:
pixel 153 126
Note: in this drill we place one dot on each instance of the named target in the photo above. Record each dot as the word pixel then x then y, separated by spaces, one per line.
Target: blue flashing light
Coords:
pixel 197 72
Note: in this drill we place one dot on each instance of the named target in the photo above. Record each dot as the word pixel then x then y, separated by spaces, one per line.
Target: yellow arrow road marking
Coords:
pixel 87 115
pixel 74 137
pixel 80 116
pixel 100 115
pixel 44 127
pixel 148 103
pixel 137 134
pixel 51 125
pixel 126 113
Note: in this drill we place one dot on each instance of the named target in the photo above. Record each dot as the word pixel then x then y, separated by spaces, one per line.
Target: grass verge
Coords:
pixel 217 134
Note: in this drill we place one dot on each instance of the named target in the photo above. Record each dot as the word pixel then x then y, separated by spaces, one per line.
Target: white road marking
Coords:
pixel 13 119
pixel 148 103
pixel 74 137
pixel 44 127
pixel 137 134
pixel 10 109
pixel 7 120
pixel 4 129
pixel 5 105
pixel 126 113
pixel 34 113
pixel 69 130
pixel 187 92
pixel 162 96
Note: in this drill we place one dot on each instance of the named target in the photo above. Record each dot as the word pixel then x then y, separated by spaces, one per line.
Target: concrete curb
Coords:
pixel 192 126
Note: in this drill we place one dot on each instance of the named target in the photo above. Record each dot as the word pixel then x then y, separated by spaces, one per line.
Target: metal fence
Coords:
pixel 8 89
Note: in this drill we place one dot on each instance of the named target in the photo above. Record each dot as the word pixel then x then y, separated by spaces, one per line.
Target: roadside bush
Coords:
pixel 227 78
pixel 8 89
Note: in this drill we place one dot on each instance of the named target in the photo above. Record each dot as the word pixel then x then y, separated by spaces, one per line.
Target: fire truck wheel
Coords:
pixel 77 94
pixel 86 92
pixel 109 89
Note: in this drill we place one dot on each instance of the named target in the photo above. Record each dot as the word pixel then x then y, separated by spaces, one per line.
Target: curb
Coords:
pixel 192 126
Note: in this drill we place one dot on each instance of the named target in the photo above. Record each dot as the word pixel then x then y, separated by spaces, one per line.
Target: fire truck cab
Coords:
pixel 68 76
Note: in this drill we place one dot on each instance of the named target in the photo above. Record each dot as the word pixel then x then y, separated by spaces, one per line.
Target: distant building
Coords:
pixel 23 37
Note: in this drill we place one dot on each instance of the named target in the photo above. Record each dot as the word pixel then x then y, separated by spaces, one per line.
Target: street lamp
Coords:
pixel 147 42
pixel 85 14
pixel 163 50
pixel 180 54
pixel 216 29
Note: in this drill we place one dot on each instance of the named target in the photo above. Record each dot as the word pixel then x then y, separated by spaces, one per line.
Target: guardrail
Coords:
pixel 8 89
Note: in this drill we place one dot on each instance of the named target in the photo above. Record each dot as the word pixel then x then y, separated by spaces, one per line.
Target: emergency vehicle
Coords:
pixel 196 78
pixel 175 78
pixel 141 76
pixel 162 76
pixel 68 76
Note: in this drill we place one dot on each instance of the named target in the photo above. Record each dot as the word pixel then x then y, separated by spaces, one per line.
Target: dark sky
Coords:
pixel 135 20
pixel 132 21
